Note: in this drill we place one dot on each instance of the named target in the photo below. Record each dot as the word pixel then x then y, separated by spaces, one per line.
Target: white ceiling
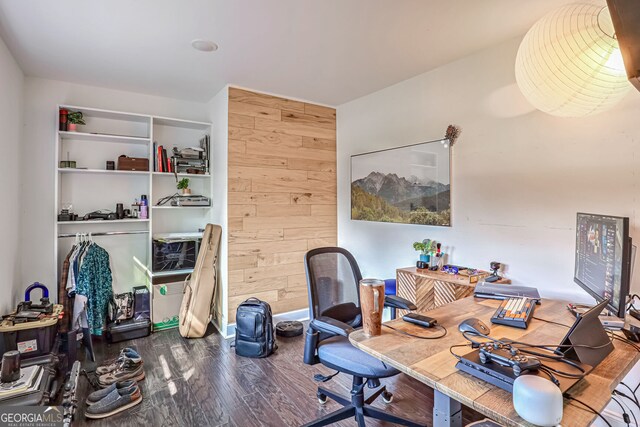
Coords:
pixel 326 51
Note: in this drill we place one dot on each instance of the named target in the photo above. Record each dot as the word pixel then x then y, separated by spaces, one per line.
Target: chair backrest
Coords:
pixel 333 278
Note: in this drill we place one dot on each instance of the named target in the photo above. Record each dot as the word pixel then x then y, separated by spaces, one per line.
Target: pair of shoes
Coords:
pixel 111 365
pixel 113 399
pixel 98 395
pixel 127 369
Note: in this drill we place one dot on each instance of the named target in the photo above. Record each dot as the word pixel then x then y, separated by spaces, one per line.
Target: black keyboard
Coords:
pixel 515 311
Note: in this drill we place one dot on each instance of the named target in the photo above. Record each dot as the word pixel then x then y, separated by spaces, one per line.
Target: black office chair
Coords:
pixel 333 279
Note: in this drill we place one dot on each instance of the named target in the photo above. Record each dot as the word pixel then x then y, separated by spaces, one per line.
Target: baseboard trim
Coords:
pixel 299 315
pixel 614 418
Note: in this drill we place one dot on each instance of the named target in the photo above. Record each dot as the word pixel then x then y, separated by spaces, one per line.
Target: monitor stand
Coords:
pixel 608 321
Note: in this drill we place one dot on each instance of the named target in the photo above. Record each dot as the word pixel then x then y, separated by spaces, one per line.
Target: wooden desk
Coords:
pixel 431 289
pixel 430 362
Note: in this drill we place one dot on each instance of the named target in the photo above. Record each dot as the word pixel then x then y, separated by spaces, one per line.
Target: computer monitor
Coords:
pixel 603 259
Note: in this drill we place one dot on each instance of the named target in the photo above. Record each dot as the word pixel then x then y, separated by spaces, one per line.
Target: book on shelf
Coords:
pixel 193 160
pixel 159 159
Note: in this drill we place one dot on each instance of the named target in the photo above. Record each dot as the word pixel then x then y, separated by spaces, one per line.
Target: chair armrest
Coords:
pixel 330 326
pixel 395 301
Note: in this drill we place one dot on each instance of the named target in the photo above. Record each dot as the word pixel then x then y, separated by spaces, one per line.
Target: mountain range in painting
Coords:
pixel 391 198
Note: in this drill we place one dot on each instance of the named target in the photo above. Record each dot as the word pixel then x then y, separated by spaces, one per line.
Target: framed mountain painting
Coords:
pixel 408 185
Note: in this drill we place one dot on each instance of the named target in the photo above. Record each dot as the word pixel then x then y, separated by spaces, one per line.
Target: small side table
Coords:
pixel 431 289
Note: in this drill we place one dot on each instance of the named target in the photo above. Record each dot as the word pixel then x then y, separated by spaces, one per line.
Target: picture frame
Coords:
pixel 410 184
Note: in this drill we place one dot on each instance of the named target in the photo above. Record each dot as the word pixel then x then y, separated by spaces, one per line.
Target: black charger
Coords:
pixel 632 334
pixel 420 320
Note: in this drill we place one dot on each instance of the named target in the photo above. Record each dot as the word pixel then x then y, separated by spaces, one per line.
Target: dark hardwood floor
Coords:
pixel 201 382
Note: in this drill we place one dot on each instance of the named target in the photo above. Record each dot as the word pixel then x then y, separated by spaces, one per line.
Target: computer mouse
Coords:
pixel 474 326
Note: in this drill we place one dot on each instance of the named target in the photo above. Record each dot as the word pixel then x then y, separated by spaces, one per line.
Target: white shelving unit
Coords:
pixel 181 175
pixel 180 207
pixel 91 187
pixel 173 273
pixel 101 221
pixel 93 137
pixel 100 171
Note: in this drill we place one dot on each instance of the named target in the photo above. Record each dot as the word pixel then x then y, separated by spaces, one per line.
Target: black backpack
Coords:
pixel 254 329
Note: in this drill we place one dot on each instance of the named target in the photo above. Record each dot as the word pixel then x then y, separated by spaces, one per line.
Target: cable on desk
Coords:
pixel 621 394
pixel 590 408
pixel 555 354
pixel 558 359
pixel 551 321
pixel 579 376
pixel 632 393
pixel 625 340
pixel 630 411
pixel 625 416
pixel 444 332
pixel 552 377
pixel 552 355
pixel 454 346
pixel 527 345
pixel 546 346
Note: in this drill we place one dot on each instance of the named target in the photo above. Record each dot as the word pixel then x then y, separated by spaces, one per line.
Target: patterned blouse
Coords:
pixel 94 282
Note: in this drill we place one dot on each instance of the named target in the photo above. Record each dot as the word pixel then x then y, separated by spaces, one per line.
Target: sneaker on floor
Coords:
pixel 126 370
pixel 111 365
pixel 116 401
pixel 98 395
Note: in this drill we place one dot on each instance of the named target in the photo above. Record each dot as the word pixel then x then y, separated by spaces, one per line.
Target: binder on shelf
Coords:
pixel 164 160
pixel 159 159
pixel 155 159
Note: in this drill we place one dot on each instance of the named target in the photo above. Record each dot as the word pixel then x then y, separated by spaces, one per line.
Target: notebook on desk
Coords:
pixel 493 291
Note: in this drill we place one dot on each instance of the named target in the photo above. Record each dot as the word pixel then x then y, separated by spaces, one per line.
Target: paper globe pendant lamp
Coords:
pixel 569 63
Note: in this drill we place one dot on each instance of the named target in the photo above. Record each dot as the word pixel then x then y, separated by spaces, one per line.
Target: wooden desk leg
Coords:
pixel 447 412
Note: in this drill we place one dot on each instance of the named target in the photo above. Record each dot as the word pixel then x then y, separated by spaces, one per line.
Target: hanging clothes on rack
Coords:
pixel 94 282
pixel 89 281
pixel 63 295
pixel 75 317
pixel 74 263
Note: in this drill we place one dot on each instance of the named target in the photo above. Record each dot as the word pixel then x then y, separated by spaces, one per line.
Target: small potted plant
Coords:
pixel 74 119
pixel 426 247
pixel 183 185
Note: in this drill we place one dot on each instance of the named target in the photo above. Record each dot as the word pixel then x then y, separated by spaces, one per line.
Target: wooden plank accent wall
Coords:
pixel 282 196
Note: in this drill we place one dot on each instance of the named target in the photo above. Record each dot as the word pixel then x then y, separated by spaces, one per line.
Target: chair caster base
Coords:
pixel 358 407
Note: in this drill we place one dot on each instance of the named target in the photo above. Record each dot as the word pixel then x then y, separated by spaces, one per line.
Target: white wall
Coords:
pixel 219 116
pixel 11 88
pixel 37 167
pixel 519 176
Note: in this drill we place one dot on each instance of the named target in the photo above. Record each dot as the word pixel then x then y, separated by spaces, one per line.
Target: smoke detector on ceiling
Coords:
pixel 204 45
